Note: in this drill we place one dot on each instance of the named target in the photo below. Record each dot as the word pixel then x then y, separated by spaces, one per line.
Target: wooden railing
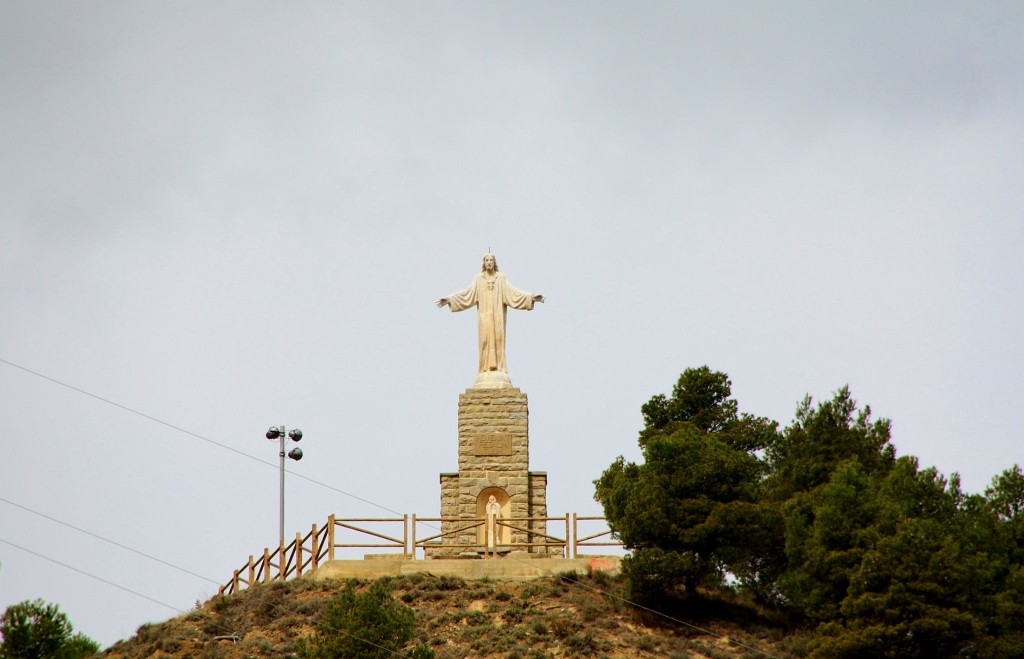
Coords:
pixel 535 539
pixel 433 540
pixel 607 537
pixel 307 552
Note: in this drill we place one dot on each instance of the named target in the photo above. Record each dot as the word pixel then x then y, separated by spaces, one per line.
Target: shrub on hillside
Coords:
pixel 363 625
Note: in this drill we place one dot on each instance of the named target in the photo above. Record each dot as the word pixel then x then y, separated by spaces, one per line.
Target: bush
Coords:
pixel 584 644
pixel 363 625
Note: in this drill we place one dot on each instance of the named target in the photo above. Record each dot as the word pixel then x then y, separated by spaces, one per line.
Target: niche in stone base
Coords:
pixel 481 512
pixel 493 460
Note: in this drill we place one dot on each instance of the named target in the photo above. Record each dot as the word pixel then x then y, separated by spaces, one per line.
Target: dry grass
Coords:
pixel 572 616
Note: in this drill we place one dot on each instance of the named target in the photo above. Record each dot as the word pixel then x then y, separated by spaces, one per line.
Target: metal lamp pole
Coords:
pixel 278 432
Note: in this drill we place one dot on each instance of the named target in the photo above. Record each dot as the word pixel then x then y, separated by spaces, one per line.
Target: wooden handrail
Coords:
pixel 585 541
pixel 306 553
pixel 421 543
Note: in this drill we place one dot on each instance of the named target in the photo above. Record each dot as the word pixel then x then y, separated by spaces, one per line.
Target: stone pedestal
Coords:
pixel 494 460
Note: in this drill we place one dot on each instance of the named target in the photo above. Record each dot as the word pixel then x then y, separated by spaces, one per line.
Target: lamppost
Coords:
pixel 278 432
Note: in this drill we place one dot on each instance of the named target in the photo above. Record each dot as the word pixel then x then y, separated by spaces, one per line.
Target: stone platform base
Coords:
pixel 500 568
pixel 492 380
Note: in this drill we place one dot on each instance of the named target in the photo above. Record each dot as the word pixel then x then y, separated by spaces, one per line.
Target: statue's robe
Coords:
pixel 492 297
pixel 493 513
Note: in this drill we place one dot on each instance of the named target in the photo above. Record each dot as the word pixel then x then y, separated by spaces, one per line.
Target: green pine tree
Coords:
pixel 37 630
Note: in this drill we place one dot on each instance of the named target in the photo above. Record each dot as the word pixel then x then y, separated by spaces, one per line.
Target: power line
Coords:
pixel 166 424
pixel 92 576
pixel 109 541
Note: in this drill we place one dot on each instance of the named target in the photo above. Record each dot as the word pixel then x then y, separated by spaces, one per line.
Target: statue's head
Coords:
pixel 492 499
pixel 489 258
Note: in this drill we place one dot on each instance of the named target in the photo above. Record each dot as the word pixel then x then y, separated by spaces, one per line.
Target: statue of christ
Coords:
pixel 492 295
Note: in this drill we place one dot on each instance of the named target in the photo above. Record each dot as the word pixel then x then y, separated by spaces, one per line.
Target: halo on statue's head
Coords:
pixel 483 266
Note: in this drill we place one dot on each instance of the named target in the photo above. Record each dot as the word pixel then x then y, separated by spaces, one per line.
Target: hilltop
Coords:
pixel 565 616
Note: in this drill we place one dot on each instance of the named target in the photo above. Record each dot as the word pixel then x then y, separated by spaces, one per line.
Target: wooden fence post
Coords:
pixel 330 538
pixel 405 536
pixel 266 565
pixel 565 552
pixel 413 547
pixel 281 563
pixel 298 554
pixel 316 549
pixel 252 570
pixel 575 534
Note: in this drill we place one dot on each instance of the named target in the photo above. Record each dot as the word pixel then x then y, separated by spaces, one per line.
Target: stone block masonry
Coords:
pixel 493 459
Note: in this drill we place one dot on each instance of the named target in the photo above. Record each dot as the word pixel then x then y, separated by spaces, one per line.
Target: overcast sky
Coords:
pixel 232 215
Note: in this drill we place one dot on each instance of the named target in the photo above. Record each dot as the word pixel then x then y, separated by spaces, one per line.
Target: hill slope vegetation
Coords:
pixel 568 616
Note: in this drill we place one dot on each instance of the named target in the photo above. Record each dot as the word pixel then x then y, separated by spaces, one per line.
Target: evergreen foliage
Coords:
pixel 367 625
pixel 690 512
pixel 35 630
pixel 821 520
pixel 823 437
pixel 700 397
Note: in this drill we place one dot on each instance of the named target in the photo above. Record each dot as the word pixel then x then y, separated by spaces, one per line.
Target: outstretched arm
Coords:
pixel 462 300
pixel 538 298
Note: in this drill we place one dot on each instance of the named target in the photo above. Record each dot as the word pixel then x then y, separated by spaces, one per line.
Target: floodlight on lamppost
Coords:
pixel 279 433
